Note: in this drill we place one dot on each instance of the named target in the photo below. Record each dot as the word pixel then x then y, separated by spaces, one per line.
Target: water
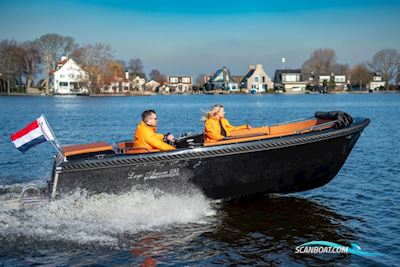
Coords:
pixel 361 205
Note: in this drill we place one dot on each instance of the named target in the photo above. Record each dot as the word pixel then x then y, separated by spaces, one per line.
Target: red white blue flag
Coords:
pixel 35 133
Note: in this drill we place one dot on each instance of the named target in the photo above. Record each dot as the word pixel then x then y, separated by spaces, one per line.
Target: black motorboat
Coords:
pixel 282 158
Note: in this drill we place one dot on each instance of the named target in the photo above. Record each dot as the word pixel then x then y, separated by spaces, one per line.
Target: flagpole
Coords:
pixel 54 142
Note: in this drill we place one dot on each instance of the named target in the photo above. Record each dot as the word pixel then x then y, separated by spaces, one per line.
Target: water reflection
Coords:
pixel 256 231
pixel 269 228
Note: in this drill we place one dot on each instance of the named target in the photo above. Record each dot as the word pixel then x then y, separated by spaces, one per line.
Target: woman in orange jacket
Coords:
pixel 146 135
pixel 217 127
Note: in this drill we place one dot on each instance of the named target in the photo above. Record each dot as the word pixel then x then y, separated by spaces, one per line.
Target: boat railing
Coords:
pixel 244 136
pixel 293 121
pixel 316 127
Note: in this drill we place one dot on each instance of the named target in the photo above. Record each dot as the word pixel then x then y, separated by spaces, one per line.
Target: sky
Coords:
pixel 199 37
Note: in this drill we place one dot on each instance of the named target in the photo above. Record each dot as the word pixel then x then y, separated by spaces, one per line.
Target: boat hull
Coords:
pixel 281 165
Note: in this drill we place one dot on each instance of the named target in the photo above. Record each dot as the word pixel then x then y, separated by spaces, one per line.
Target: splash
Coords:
pixel 103 218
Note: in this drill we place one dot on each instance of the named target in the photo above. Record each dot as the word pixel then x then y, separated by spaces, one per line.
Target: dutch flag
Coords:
pixel 35 133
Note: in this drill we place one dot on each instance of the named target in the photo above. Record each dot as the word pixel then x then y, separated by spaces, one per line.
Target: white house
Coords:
pixel 152 85
pixel 289 80
pixel 339 80
pixel 138 83
pixel 69 78
pixel 377 82
pixel 180 84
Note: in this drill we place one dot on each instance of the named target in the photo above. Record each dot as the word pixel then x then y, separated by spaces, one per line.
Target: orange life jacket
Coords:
pixel 212 129
pixel 147 137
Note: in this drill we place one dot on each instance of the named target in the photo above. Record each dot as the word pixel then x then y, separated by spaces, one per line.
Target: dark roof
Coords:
pixel 289 71
pixel 248 75
pixel 215 75
pixel 225 72
pixel 377 74
pixel 278 74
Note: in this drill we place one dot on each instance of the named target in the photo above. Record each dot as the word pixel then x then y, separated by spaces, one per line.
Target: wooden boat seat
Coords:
pixel 128 148
pixel 74 150
pixel 266 132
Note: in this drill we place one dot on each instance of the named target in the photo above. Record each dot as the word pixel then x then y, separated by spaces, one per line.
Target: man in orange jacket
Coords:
pixel 146 135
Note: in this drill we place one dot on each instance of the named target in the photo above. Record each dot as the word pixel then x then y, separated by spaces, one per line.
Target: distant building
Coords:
pixel 115 84
pixel 222 80
pixel 164 88
pixel 69 77
pixel 377 82
pixel 256 79
pixel 151 86
pixel 180 84
pixel 289 80
pixel 137 83
pixel 237 79
pixel 339 81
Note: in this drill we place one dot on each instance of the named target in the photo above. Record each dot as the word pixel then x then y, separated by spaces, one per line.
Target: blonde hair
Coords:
pixel 212 112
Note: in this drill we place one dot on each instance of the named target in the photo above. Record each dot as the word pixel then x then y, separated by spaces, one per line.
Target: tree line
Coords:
pixel 385 62
pixel 21 63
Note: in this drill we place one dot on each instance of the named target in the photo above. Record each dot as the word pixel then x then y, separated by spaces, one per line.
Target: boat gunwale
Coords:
pixel 212 151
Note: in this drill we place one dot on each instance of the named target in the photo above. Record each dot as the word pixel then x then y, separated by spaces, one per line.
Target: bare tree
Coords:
pixel 321 61
pixel 52 47
pixel 10 63
pixel 114 73
pixel 201 80
pixel 94 59
pixel 341 68
pixel 115 69
pixel 156 75
pixel 386 62
pixel 30 61
pixel 135 67
pixel 360 75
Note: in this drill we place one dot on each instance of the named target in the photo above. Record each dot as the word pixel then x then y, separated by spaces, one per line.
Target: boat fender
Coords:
pixel 343 119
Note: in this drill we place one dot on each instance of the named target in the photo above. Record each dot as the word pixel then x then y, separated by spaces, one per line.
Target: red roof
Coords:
pixel 62 62
pixel 59 65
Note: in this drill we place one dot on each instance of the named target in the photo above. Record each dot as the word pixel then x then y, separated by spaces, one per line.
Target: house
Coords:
pixel 114 84
pixel 256 79
pixel 151 86
pixel 341 82
pixel 236 80
pixel 180 84
pixel 289 80
pixel 329 80
pixel 222 80
pixel 164 89
pixel 377 82
pixel 69 77
pixel 137 83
